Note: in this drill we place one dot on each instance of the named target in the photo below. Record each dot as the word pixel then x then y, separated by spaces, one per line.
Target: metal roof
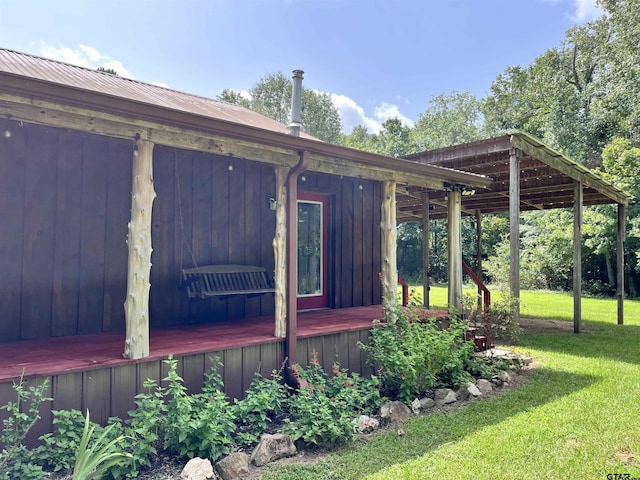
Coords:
pixel 87 79
pixel 546 178
pixel 37 78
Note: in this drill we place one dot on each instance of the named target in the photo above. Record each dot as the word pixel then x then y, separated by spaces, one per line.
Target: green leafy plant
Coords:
pixel 94 457
pixel 146 425
pixel 16 461
pixel 264 399
pixel 322 410
pixel 60 446
pixel 412 355
pixel 498 323
pixel 201 424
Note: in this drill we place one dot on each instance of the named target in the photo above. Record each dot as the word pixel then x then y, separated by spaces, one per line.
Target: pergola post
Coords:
pixel 425 249
pixel 389 274
pixel 577 255
pixel 620 261
pixel 514 230
pixel 136 305
pixel 280 252
pixel 454 252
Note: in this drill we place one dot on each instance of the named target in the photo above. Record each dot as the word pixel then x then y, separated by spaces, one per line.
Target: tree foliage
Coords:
pixel 271 96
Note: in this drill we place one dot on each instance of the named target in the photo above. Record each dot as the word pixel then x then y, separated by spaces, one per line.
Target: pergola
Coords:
pixel 525 174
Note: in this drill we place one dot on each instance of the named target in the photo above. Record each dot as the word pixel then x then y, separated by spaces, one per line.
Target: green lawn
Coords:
pixel 577 417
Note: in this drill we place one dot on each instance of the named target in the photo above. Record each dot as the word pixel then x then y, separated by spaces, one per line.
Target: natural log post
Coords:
pixel 280 252
pixel 425 249
pixel 621 234
pixel 389 275
pixel 136 305
pixel 454 241
pixel 514 231
pixel 577 255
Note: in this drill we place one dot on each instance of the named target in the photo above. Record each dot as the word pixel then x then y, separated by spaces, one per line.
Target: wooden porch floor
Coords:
pixel 86 352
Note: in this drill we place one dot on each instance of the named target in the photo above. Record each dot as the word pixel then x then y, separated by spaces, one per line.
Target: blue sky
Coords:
pixel 377 58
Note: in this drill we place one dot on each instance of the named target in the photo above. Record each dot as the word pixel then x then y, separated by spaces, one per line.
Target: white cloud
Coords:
pixel 85 56
pixel 586 10
pixel 385 111
pixel 352 114
pixel 160 84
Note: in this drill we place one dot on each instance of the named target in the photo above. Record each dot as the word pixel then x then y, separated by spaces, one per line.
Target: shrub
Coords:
pixel 201 424
pixel 16 461
pixel 264 399
pixel 412 356
pixel 323 408
pixel 499 323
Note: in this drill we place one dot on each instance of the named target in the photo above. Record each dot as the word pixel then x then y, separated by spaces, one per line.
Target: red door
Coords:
pixel 313 251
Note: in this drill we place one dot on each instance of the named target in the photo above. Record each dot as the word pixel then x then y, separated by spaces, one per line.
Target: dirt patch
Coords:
pixel 536 326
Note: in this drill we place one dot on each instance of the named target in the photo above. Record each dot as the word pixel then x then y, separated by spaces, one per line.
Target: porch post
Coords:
pixel 280 252
pixel 620 261
pixel 479 254
pixel 389 275
pixel 514 230
pixel 136 305
pixel 454 239
pixel 577 255
pixel 425 249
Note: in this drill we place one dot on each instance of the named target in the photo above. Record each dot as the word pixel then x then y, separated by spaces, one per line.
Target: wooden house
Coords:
pixel 114 192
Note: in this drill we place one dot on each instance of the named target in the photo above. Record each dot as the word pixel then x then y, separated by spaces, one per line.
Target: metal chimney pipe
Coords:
pixel 295 127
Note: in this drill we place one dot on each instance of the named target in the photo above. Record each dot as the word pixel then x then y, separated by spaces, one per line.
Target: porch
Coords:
pixel 88 371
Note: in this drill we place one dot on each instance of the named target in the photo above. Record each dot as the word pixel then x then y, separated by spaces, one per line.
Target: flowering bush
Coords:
pixel 322 411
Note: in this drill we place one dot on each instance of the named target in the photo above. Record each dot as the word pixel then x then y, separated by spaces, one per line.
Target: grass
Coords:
pixel 577 416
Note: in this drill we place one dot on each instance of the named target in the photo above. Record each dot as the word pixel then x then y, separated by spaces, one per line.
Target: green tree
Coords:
pixel 449 120
pixel 271 97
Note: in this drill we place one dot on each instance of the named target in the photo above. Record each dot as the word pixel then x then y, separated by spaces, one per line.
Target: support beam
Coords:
pixel 389 275
pixel 454 240
pixel 479 254
pixel 620 261
pixel 136 305
pixel 425 249
pixel 280 252
pixel 514 230
pixel 577 256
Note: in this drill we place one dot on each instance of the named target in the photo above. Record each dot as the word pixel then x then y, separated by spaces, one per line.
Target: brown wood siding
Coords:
pixel 354 237
pixel 64 211
pixel 207 213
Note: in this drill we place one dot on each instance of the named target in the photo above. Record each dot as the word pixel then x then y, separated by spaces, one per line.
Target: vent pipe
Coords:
pixel 295 127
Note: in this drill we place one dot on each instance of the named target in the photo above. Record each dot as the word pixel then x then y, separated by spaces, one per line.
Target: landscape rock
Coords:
pixel 496 381
pixel 427 402
pixel 271 448
pixel 197 469
pixel 444 396
pixel 233 466
pixel 395 411
pixel 365 424
pixel 504 376
pixel 415 406
pixel 484 386
pixel 473 390
pixel 463 393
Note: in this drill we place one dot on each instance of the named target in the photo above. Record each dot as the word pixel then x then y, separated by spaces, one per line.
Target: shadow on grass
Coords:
pixel 427 433
pixel 604 340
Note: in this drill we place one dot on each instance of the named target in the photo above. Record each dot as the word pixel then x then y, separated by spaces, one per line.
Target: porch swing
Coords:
pixel 222 281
